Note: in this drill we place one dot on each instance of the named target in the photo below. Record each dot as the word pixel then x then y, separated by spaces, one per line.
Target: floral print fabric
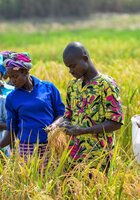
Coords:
pixel 87 106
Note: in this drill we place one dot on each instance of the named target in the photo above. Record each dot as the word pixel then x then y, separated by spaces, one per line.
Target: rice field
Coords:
pixel 114 47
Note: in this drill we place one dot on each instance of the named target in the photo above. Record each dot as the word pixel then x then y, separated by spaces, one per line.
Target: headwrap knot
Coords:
pixel 17 61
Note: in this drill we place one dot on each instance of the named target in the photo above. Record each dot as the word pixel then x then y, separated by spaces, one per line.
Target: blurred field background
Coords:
pixel 113 41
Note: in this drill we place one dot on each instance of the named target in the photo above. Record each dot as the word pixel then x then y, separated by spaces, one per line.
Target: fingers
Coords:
pixel 52 127
pixel 49 128
pixel 64 124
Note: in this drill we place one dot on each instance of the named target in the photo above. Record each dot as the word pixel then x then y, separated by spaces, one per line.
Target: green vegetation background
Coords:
pixel 115 50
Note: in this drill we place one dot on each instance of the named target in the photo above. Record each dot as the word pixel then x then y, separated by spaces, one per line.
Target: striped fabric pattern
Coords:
pixel 28 151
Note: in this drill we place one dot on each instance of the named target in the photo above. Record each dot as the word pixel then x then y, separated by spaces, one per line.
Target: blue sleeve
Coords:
pixel 12 116
pixel 58 105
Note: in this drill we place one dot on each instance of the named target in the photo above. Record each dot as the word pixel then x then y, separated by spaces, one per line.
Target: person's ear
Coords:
pixel 85 58
pixel 25 71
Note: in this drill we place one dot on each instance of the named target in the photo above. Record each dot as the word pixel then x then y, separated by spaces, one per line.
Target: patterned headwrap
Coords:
pixel 17 61
pixel 3 55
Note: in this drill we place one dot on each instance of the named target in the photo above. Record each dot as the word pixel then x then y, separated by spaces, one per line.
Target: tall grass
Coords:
pixel 114 52
pixel 22 181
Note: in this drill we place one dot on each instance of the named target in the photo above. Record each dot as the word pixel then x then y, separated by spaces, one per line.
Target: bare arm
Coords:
pixel 2 126
pixel 57 121
pixel 7 139
pixel 106 126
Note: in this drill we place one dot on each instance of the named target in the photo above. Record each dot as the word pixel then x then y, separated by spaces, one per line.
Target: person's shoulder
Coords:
pixel 72 82
pixel 47 83
pixel 110 83
pixel 11 94
pixel 108 79
pixel 41 82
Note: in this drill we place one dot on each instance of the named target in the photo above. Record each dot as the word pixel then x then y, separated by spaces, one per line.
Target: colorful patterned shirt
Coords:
pixel 92 104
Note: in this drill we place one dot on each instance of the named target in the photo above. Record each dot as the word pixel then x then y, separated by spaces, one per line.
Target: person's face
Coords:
pixel 77 66
pixel 18 78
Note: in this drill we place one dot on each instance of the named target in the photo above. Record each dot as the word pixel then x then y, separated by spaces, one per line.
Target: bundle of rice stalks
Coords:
pixel 57 140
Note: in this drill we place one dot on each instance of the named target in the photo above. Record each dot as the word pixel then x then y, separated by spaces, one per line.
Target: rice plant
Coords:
pixel 115 52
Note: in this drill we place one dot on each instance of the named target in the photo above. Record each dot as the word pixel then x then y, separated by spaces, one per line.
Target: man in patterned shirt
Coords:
pixel 93 109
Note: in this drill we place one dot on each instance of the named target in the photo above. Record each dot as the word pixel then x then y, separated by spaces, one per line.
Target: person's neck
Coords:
pixel 92 73
pixel 29 84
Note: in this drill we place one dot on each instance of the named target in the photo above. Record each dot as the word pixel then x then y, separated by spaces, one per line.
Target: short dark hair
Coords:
pixel 75 48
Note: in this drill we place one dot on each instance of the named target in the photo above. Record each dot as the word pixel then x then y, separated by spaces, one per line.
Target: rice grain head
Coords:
pixel 57 141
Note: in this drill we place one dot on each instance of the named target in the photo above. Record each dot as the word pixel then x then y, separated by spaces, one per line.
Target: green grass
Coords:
pixel 115 52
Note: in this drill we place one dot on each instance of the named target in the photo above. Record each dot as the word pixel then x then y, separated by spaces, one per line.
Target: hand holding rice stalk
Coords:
pixel 57 140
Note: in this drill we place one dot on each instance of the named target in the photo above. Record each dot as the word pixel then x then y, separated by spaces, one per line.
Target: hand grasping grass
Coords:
pixel 57 140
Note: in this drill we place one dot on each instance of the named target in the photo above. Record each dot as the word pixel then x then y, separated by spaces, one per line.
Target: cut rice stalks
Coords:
pixel 57 140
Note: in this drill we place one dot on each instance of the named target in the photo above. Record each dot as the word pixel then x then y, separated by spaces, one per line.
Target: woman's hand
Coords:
pixel 56 123
pixel 50 128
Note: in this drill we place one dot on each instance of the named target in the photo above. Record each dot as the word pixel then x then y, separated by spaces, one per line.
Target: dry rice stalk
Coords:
pixel 57 140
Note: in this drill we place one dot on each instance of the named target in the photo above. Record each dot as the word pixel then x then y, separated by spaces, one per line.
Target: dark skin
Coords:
pixel 7 139
pixel 21 79
pixel 77 60
pixel 2 126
